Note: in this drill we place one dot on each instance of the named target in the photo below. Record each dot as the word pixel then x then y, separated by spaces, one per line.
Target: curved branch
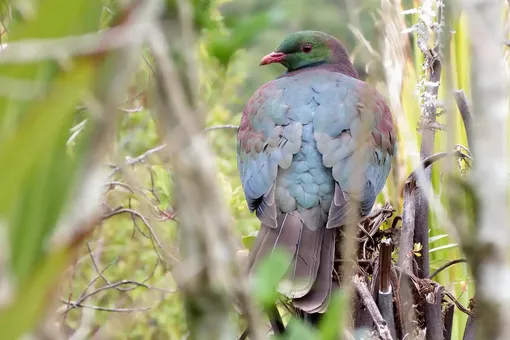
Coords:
pixel 446 265
pixel 411 180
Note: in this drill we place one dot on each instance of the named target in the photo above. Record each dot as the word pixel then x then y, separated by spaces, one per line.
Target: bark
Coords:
pixel 434 314
pixel 429 108
pixel 448 322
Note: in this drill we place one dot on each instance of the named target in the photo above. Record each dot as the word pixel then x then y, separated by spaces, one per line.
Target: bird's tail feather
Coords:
pixel 308 279
pixel 317 299
pixel 285 236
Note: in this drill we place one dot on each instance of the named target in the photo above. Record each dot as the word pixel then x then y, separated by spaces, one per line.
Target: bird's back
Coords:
pixel 301 140
pixel 307 186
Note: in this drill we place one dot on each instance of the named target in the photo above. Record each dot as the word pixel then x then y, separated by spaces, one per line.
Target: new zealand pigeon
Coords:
pixel 312 144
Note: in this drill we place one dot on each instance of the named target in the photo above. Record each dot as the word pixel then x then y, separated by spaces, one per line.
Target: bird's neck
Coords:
pixel 346 68
pixel 308 66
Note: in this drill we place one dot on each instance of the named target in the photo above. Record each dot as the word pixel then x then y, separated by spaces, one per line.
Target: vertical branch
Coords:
pixel 209 277
pixel 428 128
pixel 394 61
pixel 470 329
pixel 385 293
pixel 448 321
pixel 405 259
pixel 490 173
pixel 434 314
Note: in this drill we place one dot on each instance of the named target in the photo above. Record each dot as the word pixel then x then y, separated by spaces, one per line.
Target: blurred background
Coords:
pixel 90 147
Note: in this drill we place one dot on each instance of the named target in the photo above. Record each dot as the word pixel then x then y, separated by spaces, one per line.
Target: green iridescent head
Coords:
pixel 307 48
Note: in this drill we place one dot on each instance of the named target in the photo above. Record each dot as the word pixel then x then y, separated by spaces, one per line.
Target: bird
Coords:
pixel 314 145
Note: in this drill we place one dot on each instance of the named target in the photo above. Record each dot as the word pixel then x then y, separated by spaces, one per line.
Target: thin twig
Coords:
pixel 141 158
pixel 458 304
pixel 244 335
pixel 83 297
pixel 416 280
pixel 446 265
pixel 147 224
pixel 73 305
pixel 100 273
pixel 112 185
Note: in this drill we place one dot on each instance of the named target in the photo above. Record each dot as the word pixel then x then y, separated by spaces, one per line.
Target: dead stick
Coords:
pixel 368 300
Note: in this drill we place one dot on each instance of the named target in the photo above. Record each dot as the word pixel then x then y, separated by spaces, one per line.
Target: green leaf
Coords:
pixel 36 168
pixel 242 32
pixel 17 318
pixel 268 275
pixel 446 246
pixel 330 326
pixel 249 239
pixel 297 330
pixel 437 238
pixel 51 19
pixel 417 247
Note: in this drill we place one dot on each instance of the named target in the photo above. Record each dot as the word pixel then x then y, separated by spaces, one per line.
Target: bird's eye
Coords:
pixel 307 48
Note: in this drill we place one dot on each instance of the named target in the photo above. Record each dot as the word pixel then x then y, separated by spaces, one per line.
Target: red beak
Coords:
pixel 273 57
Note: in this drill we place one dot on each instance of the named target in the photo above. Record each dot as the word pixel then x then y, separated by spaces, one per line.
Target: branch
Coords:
pixel 470 329
pixel 385 266
pixel 448 321
pixel 141 158
pixel 458 304
pixel 368 301
pixel 408 219
pixel 429 107
pixel 446 265
pixel 465 112
pixel 412 179
pixel 81 299
pixel 385 294
pixel 417 281
pixel 73 305
pixel 434 313
pixel 155 240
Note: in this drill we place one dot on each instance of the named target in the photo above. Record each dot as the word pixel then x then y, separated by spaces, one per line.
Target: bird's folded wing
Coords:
pixel 354 132
pixel 267 139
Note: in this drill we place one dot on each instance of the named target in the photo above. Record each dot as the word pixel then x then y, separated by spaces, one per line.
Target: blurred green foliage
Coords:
pixel 42 172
